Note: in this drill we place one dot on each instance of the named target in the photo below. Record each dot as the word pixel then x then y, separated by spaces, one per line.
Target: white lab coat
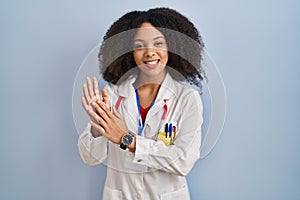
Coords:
pixel 154 171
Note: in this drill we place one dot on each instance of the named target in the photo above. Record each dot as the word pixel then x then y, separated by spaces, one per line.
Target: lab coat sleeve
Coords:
pixel 92 150
pixel 178 158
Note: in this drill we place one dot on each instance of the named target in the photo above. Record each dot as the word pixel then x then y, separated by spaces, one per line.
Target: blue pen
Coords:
pixel 170 130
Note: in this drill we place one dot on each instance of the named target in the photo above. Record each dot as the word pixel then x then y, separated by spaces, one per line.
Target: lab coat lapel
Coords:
pixel 166 92
pixel 126 89
pixel 128 104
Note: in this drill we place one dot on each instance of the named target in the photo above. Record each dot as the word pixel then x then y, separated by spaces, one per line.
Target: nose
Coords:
pixel 149 53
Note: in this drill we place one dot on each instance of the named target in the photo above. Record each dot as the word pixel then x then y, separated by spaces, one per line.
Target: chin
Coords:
pixel 154 72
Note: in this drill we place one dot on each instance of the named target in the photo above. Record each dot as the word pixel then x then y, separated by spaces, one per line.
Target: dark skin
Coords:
pixel 108 123
pixel 151 56
pixel 188 55
pixel 147 94
pixel 104 122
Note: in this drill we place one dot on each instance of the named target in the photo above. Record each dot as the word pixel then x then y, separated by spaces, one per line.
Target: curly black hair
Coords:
pixel 185 45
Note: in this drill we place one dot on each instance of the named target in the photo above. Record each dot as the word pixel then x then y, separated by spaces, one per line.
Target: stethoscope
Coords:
pixel 140 122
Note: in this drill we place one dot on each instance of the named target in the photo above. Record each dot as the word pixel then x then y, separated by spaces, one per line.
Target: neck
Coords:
pixel 147 93
pixel 148 88
pixel 150 81
pixel 151 88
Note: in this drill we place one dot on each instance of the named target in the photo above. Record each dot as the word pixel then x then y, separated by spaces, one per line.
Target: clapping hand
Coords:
pixel 104 122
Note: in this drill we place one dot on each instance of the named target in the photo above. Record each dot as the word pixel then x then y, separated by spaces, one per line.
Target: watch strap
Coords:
pixel 123 146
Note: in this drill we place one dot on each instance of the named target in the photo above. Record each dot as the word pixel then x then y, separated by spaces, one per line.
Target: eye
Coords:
pixel 138 46
pixel 158 44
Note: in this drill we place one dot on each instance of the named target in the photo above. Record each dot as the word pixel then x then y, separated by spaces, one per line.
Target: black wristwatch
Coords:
pixel 126 140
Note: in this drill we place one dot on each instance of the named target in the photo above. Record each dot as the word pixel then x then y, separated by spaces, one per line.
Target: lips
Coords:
pixel 151 62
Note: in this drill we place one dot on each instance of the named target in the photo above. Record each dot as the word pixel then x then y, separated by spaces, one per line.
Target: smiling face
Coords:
pixel 150 51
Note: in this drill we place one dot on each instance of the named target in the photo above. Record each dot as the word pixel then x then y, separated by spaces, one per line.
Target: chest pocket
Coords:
pixel 156 120
pixel 165 129
pixel 167 133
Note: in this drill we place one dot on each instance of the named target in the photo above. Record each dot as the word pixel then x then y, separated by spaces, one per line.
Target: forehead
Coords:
pixel 147 32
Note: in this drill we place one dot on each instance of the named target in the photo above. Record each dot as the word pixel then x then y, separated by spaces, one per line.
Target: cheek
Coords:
pixel 165 55
pixel 137 56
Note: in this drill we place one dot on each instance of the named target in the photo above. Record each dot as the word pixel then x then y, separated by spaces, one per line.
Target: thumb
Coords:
pixel 104 93
pixel 105 97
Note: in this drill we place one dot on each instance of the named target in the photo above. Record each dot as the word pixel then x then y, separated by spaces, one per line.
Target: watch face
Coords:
pixel 127 139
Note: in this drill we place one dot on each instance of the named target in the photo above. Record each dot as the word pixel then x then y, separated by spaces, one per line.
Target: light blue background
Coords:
pixel 255 45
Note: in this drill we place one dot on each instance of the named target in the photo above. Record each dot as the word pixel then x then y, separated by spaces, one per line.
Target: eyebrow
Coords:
pixel 158 37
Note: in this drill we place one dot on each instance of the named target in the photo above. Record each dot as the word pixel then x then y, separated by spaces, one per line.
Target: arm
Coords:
pixel 180 157
pixel 105 123
pixel 92 150
pixel 91 144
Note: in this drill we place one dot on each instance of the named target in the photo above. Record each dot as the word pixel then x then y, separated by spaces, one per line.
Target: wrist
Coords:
pixel 121 138
pixel 128 141
pixel 95 133
pixel 131 147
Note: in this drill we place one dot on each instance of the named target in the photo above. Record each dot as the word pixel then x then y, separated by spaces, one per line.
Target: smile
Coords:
pixel 151 62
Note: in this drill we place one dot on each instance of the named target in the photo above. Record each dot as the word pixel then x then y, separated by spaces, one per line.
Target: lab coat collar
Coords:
pixel 126 88
pixel 166 92
pixel 167 89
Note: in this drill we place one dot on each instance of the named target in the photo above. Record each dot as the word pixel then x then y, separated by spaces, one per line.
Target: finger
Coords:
pixel 92 114
pixel 101 112
pixel 106 110
pixel 99 119
pixel 116 112
pixel 96 88
pixel 86 93
pixel 98 128
pixel 105 97
pixel 99 100
pixel 84 104
pixel 90 87
pixel 88 109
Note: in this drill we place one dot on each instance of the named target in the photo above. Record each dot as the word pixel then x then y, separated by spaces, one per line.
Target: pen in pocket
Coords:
pixel 170 130
pixel 173 134
pixel 166 129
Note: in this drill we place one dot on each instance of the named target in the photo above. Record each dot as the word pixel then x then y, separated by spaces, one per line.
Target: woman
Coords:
pixel 146 124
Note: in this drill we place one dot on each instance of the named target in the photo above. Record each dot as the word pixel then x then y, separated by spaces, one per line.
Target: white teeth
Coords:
pixel 152 62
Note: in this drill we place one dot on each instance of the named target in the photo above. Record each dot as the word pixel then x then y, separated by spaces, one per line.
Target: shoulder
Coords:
pixel 187 94
pixel 179 88
pixel 124 88
pixel 184 89
pixel 112 91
